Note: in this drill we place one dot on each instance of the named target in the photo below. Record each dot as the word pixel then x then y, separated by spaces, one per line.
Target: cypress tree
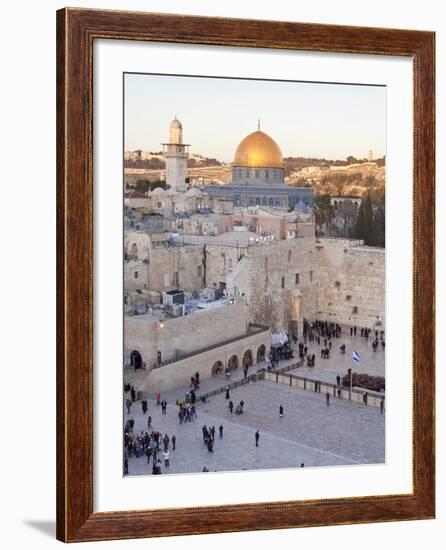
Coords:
pixel 379 227
pixel 360 220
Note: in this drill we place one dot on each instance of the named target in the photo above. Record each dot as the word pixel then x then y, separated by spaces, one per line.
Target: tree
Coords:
pixel 323 213
pixel 379 224
pixel 142 186
pixel 158 183
pixel 347 213
pixel 364 222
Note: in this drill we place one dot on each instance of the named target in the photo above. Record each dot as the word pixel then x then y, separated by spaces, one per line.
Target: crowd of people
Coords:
pixel 158 447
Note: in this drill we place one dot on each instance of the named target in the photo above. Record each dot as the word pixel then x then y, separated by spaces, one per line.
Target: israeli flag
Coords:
pixel 356 357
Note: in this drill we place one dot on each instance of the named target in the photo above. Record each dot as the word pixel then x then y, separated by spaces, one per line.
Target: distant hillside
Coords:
pixel 155 160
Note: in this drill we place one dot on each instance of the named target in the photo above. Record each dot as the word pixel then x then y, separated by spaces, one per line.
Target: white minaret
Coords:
pixel 176 154
pixel 370 156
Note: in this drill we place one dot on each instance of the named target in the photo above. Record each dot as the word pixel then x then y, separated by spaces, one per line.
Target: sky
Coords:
pixel 321 120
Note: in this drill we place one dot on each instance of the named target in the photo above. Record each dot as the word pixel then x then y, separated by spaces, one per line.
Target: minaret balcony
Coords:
pixel 177 150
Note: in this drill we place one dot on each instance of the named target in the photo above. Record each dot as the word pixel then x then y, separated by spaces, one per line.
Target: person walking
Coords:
pixel 144 406
pixel 338 380
pixel 281 411
pixel 149 423
pixel 174 442
pixel 327 398
pixel 156 470
pixel 231 406
pixel 381 405
pixel 166 456
pixel 128 404
pixel 227 393
pixel 164 406
pixel 212 433
pixel 133 393
pixel 149 452
pixel 257 437
pixel 220 432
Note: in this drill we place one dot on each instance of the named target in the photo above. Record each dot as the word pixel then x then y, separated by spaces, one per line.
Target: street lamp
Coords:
pixel 351 383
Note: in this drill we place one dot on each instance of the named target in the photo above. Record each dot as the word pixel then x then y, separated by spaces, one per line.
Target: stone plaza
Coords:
pixel 232 282
pixel 311 432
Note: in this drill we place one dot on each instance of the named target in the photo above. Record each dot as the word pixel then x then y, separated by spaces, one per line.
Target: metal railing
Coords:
pixel 259 375
pixel 253 330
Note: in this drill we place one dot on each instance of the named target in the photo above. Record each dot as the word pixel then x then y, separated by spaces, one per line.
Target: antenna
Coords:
pixel 258 124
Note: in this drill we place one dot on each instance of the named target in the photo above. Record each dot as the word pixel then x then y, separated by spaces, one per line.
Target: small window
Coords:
pixel 126 299
pixel 297 278
pixel 283 282
pixel 289 255
pixel 311 276
pixel 136 274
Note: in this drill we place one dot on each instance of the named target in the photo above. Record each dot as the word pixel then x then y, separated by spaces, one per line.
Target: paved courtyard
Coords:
pixel 310 432
pixel 326 370
pixel 344 433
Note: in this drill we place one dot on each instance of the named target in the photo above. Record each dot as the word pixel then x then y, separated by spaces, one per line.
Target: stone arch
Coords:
pixel 261 353
pixel 233 362
pixel 136 359
pixel 217 368
pixel 247 358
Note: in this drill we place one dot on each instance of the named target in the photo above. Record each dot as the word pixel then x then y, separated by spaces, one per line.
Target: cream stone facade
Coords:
pixel 206 284
pixel 173 349
pixel 352 283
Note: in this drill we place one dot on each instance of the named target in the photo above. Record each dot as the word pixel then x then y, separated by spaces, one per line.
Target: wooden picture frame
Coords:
pixel 77 29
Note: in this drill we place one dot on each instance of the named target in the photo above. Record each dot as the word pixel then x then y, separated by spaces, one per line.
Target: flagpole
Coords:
pixel 351 383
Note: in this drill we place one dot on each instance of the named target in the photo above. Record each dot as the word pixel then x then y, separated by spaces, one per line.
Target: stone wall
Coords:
pixel 352 283
pixel 179 373
pixel 270 276
pixel 145 334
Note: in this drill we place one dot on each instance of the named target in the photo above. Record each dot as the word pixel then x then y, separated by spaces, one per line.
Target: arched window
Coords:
pixel 134 249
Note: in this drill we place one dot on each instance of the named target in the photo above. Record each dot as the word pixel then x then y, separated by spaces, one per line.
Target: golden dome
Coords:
pixel 258 150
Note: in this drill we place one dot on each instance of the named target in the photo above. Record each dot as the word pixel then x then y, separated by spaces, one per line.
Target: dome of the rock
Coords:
pixel 258 150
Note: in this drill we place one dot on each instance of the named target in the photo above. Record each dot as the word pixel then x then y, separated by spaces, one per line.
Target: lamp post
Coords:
pixel 351 383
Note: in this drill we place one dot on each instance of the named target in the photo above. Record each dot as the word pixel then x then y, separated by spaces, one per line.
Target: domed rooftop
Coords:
pixel 176 124
pixel 193 192
pixel 158 191
pixel 258 150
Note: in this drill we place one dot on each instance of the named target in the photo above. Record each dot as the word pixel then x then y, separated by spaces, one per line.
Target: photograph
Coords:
pixel 254 266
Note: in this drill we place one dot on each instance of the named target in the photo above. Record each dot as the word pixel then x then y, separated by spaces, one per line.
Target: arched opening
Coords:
pixel 134 249
pixel 233 362
pixel 247 358
pixel 136 359
pixel 217 368
pixel 261 353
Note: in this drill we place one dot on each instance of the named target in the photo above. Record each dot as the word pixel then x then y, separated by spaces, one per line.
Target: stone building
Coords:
pixel 210 274
pixel 176 154
pixel 258 177
pixel 208 340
